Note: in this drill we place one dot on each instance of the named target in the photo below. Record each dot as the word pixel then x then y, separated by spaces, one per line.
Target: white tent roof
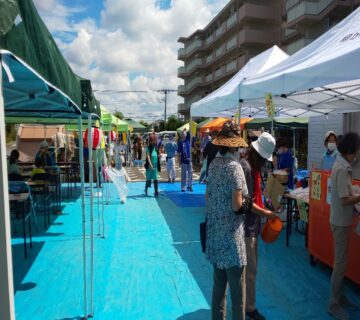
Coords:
pixel 322 77
pixel 227 96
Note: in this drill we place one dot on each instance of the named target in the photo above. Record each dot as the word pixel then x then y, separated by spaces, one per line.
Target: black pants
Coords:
pixel 156 186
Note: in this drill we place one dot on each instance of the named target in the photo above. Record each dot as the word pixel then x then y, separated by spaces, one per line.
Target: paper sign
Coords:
pixel 303 213
pixel 316 185
pixel 328 189
pixel 275 191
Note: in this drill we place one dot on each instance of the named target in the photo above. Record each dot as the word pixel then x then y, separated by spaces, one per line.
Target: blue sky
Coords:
pixel 127 45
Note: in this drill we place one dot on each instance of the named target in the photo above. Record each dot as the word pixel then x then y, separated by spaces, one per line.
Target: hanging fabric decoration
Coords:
pixel 96 138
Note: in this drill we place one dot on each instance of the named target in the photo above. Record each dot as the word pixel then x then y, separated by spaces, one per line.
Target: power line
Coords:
pixel 164 91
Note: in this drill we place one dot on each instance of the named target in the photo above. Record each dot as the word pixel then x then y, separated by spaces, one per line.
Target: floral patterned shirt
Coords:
pixel 225 235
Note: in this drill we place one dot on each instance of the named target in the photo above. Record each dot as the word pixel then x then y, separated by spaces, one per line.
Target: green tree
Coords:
pixel 173 123
pixel 119 115
pixel 10 132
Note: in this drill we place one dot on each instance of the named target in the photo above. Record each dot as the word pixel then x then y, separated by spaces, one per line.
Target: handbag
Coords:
pixel 203 235
pixel 246 206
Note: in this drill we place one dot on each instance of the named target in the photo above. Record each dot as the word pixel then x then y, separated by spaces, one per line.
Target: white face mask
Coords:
pixel 331 146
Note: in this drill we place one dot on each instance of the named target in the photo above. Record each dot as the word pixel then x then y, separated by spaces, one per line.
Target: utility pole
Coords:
pixel 166 92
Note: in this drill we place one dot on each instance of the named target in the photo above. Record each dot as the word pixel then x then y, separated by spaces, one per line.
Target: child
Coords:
pixel 38 170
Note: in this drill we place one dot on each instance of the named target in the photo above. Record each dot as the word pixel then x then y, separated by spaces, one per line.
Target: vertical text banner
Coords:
pixel 270 107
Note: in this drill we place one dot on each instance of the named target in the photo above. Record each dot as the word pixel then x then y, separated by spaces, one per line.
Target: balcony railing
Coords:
pixel 231 66
pixel 231 43
pixel 193 64
pixel 193 82
pixel 307 7
pixel 181 89
pixel 249 35
pixel 291 3
pixel 250 11
pixel 195 44
pixel 209 78
pixel 218 73
pixel 182 107
pixel 218 32
pixel 209 58
pixel 297 45
pixel 193 99
pixel 218 52
pixel 181 52
pixel 181 70
pixel 209 39
pixel 231 21
pixel 288 32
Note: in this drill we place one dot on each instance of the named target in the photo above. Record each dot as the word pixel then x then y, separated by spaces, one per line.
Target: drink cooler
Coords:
pixel 321 245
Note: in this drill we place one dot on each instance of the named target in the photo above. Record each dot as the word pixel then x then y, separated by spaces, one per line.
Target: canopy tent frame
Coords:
pixel 73 115
pixel 7 309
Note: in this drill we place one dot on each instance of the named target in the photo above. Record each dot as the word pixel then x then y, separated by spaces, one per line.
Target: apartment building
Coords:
pixel 306 20
pixel 241 30
pixel 244 28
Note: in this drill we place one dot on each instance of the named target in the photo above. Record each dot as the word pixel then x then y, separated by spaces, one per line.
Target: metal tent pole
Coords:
pixel 98 186
pixel 294 141
pixel 89 137
pixel 239 113
pixel 83 209
pixel 6 283
pixel 102 191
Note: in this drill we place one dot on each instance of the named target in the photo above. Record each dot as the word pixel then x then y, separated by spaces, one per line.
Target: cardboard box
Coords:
pixel 274 191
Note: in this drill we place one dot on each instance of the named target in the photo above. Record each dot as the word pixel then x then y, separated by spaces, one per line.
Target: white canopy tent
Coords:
pixel 227 96
pixel 320 79
pixel 323 77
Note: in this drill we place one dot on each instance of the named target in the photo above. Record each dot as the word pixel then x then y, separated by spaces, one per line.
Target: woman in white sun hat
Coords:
pixel 259 153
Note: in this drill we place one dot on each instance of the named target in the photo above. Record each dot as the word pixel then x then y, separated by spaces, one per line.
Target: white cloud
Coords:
pixel 56 15
pixel 133 47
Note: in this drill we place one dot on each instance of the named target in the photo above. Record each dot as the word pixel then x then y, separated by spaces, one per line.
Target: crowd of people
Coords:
pixel 232 171
pixel 235 206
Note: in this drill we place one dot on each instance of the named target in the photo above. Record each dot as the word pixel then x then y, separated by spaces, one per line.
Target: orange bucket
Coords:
pixel 271 230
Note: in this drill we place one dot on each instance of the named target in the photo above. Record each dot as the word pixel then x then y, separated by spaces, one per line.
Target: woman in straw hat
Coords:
pixel 225 235
pixel 259 153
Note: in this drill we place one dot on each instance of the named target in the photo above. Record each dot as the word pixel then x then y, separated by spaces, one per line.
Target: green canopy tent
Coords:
pixel 136 126
pixel 292 123
pixel 109 121
pixel 258 124
pixel 279 123
pixel 35 83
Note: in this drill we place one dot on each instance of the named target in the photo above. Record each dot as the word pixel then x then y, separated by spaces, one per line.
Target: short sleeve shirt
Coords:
pixel 328 160
pixel 341 187
pixel 225 234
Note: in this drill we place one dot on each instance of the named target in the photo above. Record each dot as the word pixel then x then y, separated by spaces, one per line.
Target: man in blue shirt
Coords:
pixel 170 149
pixel 184 150
pixel 285 160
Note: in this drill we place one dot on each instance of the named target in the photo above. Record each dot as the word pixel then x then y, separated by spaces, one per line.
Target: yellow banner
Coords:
pixel 270 107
